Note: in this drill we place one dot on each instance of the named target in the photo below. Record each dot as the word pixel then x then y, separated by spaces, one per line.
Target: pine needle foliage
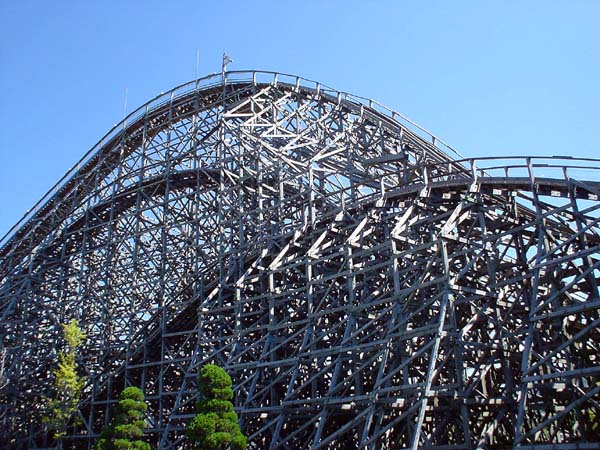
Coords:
pixel 67 383
pixel 215 427
pixel 127 427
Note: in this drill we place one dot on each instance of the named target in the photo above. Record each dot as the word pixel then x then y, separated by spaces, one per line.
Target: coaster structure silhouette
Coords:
pixel 363 284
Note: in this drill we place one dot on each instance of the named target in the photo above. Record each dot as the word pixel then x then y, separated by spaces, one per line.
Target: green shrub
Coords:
pixel 215 426
pixel 128 424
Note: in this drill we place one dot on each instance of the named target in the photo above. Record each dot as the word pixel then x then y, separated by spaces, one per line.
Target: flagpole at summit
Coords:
pixel 226 60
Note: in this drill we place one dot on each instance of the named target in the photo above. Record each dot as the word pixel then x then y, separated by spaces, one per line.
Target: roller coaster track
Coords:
pixel 365 285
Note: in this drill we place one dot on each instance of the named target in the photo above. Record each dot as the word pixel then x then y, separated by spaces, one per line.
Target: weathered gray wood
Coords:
pixel 365 286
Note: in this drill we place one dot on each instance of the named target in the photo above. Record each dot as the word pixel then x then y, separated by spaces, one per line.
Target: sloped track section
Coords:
pixel 365 286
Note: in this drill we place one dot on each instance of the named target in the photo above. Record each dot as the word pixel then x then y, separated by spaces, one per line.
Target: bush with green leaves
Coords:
pixel 67 383
pixel 127 428
pixel 215 427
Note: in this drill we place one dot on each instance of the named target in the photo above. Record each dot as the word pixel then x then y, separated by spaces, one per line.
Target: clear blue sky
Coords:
pixel 488 77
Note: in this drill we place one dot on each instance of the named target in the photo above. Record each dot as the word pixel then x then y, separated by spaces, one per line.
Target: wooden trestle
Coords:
pixel 364 286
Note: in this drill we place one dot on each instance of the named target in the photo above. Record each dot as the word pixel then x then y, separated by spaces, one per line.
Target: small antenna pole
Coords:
pixel 197 61
pixel 125 103
pixel 125 106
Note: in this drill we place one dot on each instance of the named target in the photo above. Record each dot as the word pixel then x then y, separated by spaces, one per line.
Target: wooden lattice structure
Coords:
pixel 364 285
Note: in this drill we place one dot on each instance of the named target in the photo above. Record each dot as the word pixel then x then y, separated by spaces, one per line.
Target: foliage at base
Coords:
pixel 67 383
pixel 215 427
pixel 127 427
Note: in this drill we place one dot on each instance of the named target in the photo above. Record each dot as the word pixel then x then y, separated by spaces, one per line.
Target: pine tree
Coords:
pixel 67 384
pixel 128 425
pixel 215 427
